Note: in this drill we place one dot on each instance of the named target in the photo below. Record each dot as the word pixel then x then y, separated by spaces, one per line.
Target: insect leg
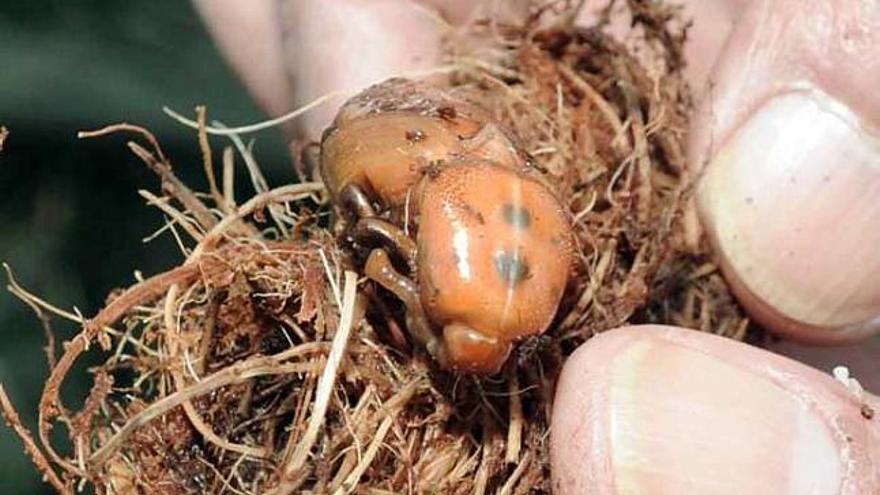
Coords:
pixel 356 202
pixel 353 204
pixel 380 270
pixel 389 236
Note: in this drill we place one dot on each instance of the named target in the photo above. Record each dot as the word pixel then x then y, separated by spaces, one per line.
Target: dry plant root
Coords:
pixel 267 363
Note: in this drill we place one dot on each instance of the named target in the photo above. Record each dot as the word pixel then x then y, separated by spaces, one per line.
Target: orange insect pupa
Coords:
pixel 494 254
pixel 492 247
pixel 383 139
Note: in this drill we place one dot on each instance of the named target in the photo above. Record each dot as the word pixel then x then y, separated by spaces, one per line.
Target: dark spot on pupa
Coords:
pixel 867 412
pixel 415 136
pixel 517 216
pixel 511 267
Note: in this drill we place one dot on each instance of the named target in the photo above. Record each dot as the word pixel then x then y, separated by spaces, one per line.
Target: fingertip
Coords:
pixel 653 409
pixel 248 34
pixel 786 146
pixel 343 46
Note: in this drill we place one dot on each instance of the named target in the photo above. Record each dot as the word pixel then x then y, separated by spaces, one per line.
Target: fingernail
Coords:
pixel 692 421
pixel 635 413
pixel 792 203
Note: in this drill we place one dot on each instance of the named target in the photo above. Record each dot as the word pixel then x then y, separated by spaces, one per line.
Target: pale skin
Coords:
pixel 787 146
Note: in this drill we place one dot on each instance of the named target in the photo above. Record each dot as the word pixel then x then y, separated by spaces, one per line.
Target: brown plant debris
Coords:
pixel 262 364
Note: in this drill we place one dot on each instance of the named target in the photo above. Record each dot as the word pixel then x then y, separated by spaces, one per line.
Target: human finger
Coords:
pixel 786 148
pixel 652 409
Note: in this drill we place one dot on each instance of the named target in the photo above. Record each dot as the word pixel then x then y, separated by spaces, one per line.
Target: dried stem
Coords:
pixel 235 373
pixel 50 403
pixel 229 177
pixel 514 429
pixel 176 215
pixel 258 126
pixel 507 488
pixel 328 378
pixel 36 455
pixel 207 160
pixel 173 331
pixel 291 192
pixel 175 187
pixel 126 127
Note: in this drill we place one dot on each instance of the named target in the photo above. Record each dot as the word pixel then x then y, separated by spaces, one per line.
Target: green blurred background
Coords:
pixel 71 221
